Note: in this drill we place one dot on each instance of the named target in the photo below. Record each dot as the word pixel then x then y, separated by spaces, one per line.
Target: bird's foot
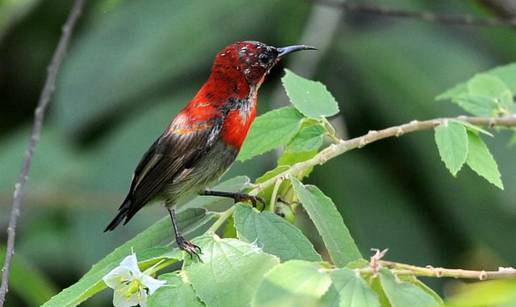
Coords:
pixel 190 248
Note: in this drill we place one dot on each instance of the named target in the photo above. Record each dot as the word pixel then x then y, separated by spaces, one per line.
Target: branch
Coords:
pixel 39 115
pixel 342 146
pixel 460 20
pixel 429 271
pixel 376 262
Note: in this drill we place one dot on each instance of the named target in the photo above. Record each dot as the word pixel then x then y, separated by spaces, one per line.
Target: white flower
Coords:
pixel 131 285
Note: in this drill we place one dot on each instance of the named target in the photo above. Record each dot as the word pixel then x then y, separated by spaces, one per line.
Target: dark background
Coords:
pixel 132 65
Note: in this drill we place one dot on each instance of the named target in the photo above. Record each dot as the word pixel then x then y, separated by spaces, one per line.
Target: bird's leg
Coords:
pixel 236 196
pixel 182 243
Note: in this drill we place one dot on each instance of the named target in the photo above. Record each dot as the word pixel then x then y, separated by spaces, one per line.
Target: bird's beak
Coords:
pixel 289 49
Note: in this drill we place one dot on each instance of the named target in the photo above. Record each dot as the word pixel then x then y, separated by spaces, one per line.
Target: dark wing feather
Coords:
pixel 168 156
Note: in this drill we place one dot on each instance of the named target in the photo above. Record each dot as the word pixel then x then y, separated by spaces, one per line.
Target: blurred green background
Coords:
pixel 133 64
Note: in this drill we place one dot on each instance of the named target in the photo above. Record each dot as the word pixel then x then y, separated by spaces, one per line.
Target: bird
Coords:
pixel 203 140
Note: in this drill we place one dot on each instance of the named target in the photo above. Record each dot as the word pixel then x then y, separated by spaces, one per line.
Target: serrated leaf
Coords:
pixel 293 157
pixel 308 139
pixel 192 222
pixel 476 105
pixel 486 85
pixel 271 130
pixel 175 293
pixel 453 92
pixel 310 97
pixel 329 223
pixel 418 283
pixel 481 161
pixel 353 290
pixel 272 173
pixel 452 142
pixel 506 73
pixel 293 283
pixel 403 294
pixel 275 235
pixel 230 271
pixel 472 128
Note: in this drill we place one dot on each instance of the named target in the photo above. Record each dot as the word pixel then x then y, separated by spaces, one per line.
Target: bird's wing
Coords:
pixel 177 149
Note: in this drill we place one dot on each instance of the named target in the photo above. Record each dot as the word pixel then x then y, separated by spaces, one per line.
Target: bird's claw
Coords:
pixel 190 248
pixel 242 197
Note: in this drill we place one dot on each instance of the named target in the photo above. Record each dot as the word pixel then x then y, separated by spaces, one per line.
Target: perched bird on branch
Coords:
pixel 203 140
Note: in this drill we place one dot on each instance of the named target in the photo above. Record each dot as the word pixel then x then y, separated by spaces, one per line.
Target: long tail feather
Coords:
pixel 122 214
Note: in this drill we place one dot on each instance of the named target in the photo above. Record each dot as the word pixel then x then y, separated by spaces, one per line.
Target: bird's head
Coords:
pixel 251 60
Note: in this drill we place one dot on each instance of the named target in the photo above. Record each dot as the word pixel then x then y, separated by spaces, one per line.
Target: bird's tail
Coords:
pixel 122 214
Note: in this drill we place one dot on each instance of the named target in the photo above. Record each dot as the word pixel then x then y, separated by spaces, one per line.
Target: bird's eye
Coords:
pixel 264 59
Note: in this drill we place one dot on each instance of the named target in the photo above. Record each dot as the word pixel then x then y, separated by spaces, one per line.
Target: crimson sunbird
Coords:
pixel 204 138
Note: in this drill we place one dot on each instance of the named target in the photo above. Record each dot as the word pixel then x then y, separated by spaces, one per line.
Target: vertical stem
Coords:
pixel 39 115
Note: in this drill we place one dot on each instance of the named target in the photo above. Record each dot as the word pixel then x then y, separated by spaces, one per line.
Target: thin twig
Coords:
pixel 429 271
pixel 343 146
pixel 376 263
pixel 447 19
pixel 39 115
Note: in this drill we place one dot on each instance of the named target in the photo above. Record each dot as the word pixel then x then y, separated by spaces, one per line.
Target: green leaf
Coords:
pixel 192 222
pixel 490 86
pixel 512 141
pixel 329 223
pixel 353 290
pixel 403 294
pixel 486 94
pixel 471 127
pixel 274 234
pixel 293 283
pixel 230 271
pixel 413 280
pixel 293 157
pixel 271 130
pixel 452 142
pixel 506 74
pixel 481 161
pixel 308 139
pixel 273 172
pixel 175 293
pixel 476 105
pixel 310 97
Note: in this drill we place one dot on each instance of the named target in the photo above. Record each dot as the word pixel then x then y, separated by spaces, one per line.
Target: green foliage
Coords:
pixel 452 142
pixel 353 290
pixel 247 270
pixel 175 293
pixel 402 294
pixel 310 97
pixel 278 125
pixel 274 234
pixel 149 246
pixel 293 283
pixel 309 138
pixel 230 271
pixel 482 162
pixel 329 223
pixel 485 94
